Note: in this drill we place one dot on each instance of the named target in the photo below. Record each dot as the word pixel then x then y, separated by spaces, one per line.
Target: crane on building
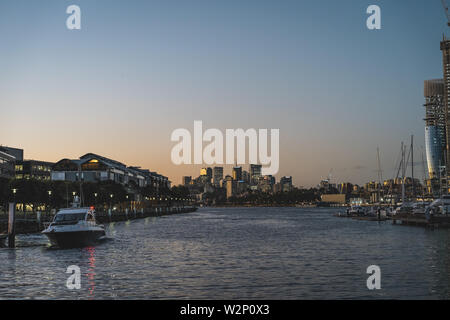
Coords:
pixel 445 5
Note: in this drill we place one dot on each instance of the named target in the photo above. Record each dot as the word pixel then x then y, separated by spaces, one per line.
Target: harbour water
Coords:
pixel 236 253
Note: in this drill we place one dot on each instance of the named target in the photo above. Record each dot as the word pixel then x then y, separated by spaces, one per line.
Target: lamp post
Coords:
pixel 111 196
pixel 14 191
pixel 95 197
pixel 49 199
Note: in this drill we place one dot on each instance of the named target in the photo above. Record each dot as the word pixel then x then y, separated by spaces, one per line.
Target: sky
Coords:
pixel 138 70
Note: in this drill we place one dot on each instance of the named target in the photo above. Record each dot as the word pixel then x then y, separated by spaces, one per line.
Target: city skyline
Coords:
pixel 134 73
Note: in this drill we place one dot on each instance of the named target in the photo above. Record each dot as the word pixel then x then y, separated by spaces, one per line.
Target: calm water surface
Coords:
pixel 236 253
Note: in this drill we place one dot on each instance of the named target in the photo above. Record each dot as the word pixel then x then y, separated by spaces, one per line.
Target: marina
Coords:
pixel 236 253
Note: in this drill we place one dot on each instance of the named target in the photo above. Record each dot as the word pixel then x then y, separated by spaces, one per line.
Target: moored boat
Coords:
pixel 74 227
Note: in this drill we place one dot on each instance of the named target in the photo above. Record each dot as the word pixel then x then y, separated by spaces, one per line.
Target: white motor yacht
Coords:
pixel 74 227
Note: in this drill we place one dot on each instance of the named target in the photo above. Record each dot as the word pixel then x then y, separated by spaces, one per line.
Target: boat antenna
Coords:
pixel 81 185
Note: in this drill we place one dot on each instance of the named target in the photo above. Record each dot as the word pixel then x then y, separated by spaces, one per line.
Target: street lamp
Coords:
pixel 49 198
pixel 14 191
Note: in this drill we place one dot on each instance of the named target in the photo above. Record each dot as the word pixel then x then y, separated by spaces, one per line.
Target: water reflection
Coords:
pixel 91 271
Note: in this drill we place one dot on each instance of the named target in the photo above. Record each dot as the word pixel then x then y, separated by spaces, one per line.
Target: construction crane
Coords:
pixel 445 5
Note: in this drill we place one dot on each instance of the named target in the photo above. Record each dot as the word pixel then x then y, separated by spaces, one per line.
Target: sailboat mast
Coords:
pixel 403 173
pixel 380 174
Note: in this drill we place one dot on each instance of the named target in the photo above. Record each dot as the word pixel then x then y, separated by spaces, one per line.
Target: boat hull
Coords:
pixel 75 239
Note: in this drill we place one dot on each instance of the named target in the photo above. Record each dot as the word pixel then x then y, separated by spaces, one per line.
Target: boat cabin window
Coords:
pixel 69 217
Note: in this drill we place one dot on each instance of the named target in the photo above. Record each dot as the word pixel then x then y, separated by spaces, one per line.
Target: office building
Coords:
pixel 237 173
pixel 286 184
pixel 255 173
pixel 230 185
pixel 217 176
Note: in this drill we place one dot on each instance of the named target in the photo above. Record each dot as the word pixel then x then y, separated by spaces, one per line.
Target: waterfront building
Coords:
pixel 266 183
pixel 237 173
pixel 230 185
pixel 187 180
pixel 95 168
pixel 246 176
pixel 277 188
pixel 33 169
pixel 217 176
pixel 324 184
pixel 345 188
pixel 6 165
pixel 206 172
pixel 241 187
pixel 15 152
pixel 435 126
pixel 255 173
pixel 286 184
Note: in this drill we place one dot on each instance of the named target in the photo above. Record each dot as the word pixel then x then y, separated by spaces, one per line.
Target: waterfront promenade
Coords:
pixel 33 222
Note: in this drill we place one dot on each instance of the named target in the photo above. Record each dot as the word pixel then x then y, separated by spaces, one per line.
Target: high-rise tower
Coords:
pixel 445 48
pixel 435 126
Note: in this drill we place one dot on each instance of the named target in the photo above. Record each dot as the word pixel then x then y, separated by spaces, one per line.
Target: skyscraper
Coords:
pixel 286 184
pixel 255 173
pixel 435 137
pixel 217 176
pixel 237 173
pixel 230 186
pixel 445 48
pixel 209 173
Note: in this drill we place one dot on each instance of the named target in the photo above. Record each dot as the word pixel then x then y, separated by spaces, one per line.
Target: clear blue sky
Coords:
pixel 137 70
